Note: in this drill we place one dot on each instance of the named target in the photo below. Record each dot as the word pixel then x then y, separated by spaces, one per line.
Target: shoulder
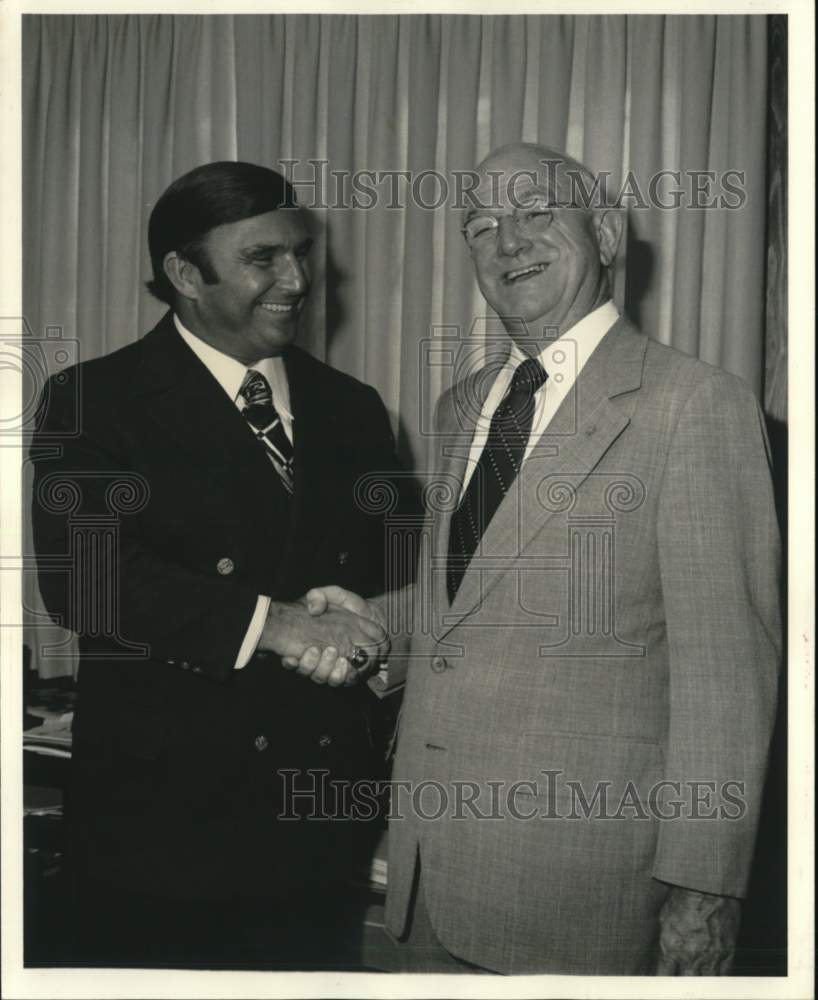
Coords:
pixel 692 402
pixel 679 378
pixel 99 383
pixel 327 383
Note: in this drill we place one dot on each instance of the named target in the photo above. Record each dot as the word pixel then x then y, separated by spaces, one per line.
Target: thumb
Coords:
pixel 317 601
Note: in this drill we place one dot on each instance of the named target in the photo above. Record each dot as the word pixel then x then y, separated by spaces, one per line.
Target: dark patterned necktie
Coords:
pixel 495 472
pixel 265 421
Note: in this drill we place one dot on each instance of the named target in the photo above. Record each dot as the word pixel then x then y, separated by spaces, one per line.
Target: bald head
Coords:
pixel 539 243
pixel 520 164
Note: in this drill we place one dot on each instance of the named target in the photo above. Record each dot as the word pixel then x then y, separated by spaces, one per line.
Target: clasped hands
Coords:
pixel 317 635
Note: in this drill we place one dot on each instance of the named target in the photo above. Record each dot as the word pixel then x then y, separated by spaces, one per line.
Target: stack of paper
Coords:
pixel 52 738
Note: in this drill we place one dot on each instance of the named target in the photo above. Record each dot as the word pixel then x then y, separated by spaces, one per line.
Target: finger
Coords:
pixel 289 662
pixel 309 661
pixel 326 663
pixel 342 673
pixel 317 600
pixel 375 654
pixel 353 676
pixel 370 628
pixel 346 599
pixel 380 653
pixel 376 647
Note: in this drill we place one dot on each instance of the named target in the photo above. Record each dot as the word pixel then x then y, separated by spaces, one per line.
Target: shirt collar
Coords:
pixel 230 373
pixel 564 358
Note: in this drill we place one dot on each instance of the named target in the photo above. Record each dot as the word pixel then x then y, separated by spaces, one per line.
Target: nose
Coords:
pixel 293 275
pixel 509 238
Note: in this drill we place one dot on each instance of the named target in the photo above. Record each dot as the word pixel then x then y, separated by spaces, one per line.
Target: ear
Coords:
pixel 608 225
pixel 183 275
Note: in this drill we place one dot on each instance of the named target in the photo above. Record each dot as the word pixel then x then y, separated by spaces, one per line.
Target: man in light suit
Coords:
pixel 189 488
pixel 587 715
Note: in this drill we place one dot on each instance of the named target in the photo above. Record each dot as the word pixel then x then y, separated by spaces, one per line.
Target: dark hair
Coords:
pixel 205 197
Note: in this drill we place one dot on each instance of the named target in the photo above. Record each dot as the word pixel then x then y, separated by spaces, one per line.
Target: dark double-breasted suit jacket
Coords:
pixel 158 520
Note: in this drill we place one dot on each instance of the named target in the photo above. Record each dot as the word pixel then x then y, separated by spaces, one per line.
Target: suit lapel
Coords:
pixel 309 445
pixel 583 429
pixel 179 396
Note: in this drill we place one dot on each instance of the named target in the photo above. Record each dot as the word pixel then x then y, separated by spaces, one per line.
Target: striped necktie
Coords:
pixel 497 469
pixel 266 423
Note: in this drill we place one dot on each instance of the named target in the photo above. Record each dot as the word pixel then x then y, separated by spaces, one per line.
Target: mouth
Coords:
pixel 523 273
pixel 280 308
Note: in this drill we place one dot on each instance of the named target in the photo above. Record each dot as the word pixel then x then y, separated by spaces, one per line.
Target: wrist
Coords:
pixel 277 633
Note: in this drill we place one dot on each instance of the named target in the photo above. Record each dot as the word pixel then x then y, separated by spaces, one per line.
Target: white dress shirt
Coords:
pixel 563 359
pixel 230 373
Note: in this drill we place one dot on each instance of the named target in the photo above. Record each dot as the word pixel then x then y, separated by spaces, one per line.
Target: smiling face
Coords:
pixel 544 268
pixel 251 311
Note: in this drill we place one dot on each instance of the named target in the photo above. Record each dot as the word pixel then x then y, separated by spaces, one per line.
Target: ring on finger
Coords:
pixel 359 657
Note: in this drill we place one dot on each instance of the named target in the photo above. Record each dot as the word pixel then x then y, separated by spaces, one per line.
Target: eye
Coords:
pixel 479 226
pixel 536 217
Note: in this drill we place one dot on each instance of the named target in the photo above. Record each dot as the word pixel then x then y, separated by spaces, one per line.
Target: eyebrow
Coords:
pixel 523 199
pixel 270 249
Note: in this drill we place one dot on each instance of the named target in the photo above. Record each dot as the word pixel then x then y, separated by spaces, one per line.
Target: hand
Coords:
pixel 320 598
pixel 319 647
pixel 318 601
pixel 698 933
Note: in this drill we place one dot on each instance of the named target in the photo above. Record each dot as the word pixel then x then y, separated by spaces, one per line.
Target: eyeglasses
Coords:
pixel 531 220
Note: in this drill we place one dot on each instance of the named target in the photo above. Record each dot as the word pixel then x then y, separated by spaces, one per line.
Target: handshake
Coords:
pixel 330 635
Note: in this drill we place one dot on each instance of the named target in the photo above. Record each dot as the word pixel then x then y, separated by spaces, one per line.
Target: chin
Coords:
pixel 283 338
pixel 528 312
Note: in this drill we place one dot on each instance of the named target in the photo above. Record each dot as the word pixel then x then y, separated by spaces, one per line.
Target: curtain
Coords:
pixel 115 107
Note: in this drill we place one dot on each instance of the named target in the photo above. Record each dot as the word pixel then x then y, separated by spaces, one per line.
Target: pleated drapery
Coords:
pixel 115 107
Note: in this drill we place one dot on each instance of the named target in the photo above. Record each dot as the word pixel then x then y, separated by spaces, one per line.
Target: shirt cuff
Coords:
pixel 253 634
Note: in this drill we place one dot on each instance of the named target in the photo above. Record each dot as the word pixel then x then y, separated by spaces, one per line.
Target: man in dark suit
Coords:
pixel 200 480
pixel 592 699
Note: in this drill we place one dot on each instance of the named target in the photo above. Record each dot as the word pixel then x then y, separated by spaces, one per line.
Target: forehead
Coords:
pixel 284 227
pixel 504 182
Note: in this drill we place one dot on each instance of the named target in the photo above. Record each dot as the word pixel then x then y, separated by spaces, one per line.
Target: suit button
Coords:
pixel 439 664
pixel 324 741
pixel 261 743
pixel 343 558
pixel 196 670
pixel 171 663
pixel 184 665
pixel 225 566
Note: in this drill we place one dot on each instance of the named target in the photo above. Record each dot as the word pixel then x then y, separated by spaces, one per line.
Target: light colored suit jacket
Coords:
pixel 614 642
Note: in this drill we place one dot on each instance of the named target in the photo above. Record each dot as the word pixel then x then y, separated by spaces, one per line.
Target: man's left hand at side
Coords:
pixel 698 933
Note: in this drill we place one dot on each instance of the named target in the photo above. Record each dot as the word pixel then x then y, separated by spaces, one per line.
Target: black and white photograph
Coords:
pixel 407 501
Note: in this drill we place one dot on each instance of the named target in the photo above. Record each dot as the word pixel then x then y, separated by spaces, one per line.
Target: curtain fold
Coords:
pixel 117 106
